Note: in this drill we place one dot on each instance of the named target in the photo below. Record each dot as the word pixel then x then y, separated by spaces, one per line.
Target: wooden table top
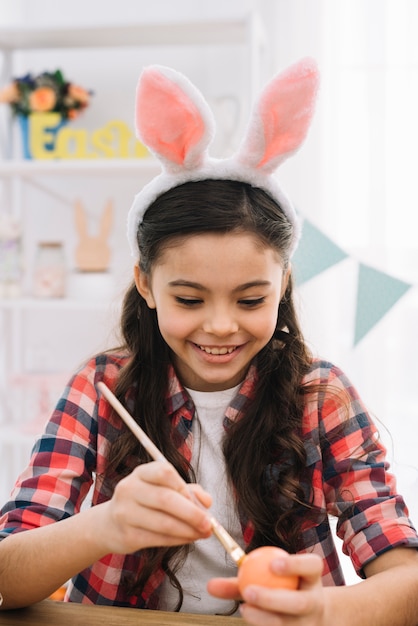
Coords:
pixel 50 613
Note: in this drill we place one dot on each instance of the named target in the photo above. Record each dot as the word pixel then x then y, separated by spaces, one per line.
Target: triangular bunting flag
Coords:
pixel 376 294
pixel 315 254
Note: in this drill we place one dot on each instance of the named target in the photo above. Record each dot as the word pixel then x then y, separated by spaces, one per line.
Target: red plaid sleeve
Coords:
pixel 354 483
pixel 65 457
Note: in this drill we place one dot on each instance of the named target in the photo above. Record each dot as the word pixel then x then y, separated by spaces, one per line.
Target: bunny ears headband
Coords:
pixel 175 122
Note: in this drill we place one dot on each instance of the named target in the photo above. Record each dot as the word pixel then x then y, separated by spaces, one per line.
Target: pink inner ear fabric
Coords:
pixel 167 119
pixel 286 109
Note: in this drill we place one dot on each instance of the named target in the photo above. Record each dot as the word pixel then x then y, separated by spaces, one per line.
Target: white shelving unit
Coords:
pixel 17 174
pixel 239 30
pixel 246 30
pixel 29 170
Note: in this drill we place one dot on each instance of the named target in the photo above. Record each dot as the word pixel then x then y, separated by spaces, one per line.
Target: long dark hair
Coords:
pixel 269 499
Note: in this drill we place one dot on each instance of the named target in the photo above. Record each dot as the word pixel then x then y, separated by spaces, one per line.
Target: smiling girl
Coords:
pixel 215 369
pixel 215 321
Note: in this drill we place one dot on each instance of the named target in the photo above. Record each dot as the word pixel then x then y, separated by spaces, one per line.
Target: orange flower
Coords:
pixel 9 94
pixel 48 91
pixel 79 94
pixel 73 114
pixel 42 99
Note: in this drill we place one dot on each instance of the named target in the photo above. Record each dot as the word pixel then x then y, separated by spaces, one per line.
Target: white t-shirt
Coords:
pixel 207 558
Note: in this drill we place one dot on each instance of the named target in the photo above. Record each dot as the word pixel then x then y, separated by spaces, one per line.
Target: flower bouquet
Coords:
pixel 47 92
pixel 48 100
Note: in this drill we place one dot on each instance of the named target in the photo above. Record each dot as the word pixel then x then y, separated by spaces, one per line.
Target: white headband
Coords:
pixel 175 122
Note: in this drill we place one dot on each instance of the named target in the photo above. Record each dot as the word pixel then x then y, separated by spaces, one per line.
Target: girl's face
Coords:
pixel 217 299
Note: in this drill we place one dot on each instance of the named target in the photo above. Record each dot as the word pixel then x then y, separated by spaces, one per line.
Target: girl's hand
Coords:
pixel 280 607
pixel 153 507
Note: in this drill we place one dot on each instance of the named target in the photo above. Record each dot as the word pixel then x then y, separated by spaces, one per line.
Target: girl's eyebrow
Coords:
pixel 186 283
pixel 193 285
pixel 253 283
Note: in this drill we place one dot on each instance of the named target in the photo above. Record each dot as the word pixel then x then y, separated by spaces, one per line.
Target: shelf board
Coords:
pixel 79 167
pixel 28 303
pixel 234 31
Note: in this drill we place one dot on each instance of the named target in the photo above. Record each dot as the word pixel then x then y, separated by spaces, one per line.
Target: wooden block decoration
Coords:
pixel 93 252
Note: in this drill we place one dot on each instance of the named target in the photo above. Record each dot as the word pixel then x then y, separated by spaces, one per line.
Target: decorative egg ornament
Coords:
pixel 255 570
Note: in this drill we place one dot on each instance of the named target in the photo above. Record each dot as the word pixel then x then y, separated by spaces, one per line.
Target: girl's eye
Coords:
pixel 188 301
pixel 253 302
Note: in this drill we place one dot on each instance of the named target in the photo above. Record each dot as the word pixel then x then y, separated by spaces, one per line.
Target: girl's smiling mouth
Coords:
pixel 216 349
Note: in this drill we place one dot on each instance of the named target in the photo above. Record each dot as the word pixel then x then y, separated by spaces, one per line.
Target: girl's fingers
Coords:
pixel 256 616
pixel 153 506
pixel 158 473
pixel 306 600
pixel 290 606
pixel 170 522
pixel 226 588
pixel 163 490
pixel 307 566
pixel 264 606
pixel 164 474
pixel 202 495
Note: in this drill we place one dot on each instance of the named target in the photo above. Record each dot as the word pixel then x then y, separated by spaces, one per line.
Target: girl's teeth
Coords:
pixel 217 350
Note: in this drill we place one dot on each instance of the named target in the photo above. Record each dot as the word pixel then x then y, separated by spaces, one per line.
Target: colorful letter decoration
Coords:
pixel 50 139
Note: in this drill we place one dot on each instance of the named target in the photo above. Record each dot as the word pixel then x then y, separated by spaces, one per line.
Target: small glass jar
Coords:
pixel 10 268
pixel 49 277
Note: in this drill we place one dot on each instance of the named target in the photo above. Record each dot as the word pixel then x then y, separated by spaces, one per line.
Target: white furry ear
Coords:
pixel 281 118
pixel 172 118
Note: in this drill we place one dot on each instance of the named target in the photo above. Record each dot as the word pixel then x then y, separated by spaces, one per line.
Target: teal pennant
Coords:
pixel 377 292
pixel 315 254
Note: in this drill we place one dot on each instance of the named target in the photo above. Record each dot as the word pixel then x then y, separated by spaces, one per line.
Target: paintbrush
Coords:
pixel 236 553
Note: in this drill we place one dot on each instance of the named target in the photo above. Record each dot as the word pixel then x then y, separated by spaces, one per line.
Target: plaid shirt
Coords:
pixel 345 462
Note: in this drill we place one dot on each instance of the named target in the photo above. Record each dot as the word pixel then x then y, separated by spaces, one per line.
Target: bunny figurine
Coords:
pixel 93 252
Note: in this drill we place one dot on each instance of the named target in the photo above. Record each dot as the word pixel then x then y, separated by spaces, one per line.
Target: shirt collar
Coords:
pixel 177 396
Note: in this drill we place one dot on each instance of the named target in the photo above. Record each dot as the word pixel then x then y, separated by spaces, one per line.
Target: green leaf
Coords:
pixel 59 78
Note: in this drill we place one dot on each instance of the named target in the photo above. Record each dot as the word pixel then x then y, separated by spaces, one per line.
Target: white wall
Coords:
pixel 355 180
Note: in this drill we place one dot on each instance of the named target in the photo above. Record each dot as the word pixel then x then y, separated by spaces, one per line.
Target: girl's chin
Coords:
pixel 202 371
pixel 209 381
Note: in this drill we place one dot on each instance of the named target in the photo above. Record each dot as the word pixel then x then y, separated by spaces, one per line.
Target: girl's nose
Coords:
pixel 220 322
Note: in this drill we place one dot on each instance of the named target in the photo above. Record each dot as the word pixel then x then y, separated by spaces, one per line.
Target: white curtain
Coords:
pixel 356 180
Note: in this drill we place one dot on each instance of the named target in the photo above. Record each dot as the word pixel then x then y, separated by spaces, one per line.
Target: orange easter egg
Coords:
pixel 255 570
